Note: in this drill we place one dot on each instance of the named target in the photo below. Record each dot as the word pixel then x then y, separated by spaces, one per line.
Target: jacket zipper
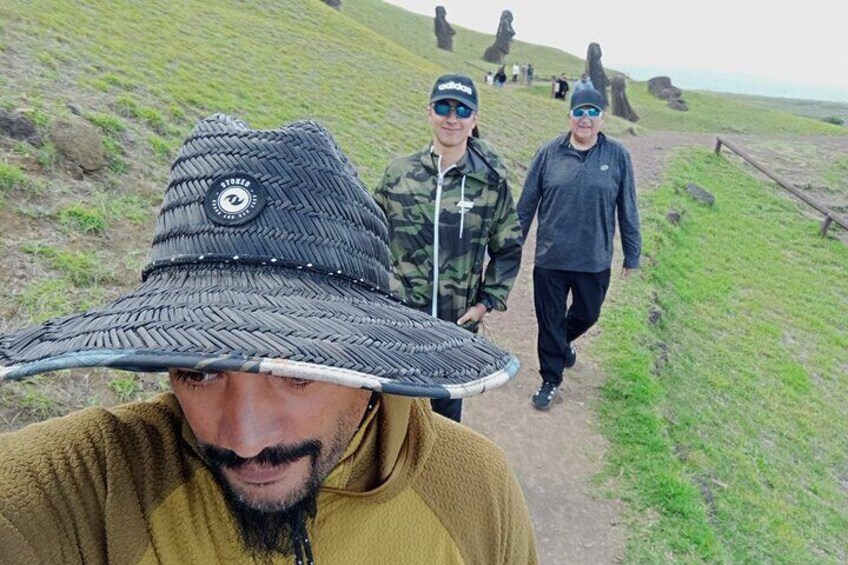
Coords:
pixel 440 181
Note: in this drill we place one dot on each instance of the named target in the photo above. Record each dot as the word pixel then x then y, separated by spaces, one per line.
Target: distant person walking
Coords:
pixel 448 207
pixel 516 69
pixel 578 183
pixel 584 83
pixel 500 77
pixel 563 87
pixel 530 74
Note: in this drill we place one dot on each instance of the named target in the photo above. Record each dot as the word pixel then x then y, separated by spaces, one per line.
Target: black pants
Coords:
pixel 558 324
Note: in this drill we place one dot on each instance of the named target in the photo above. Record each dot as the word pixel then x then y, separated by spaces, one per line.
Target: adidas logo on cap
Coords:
pixel 452 85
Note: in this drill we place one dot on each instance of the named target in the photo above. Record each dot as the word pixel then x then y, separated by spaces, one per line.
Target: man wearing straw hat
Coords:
pixel 296 431
pixel 449 207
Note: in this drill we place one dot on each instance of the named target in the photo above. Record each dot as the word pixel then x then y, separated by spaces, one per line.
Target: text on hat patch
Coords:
pixel 452 85
pixel 234 199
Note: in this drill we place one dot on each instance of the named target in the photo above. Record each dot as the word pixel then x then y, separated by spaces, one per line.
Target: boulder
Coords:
pixel 17 126
pixel 700 194
pixel 79 142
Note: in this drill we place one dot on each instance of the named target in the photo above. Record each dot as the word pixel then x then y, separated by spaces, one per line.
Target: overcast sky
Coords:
pixel 782 40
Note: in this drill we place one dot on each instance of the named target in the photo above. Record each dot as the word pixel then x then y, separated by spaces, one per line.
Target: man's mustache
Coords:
pixel 271 456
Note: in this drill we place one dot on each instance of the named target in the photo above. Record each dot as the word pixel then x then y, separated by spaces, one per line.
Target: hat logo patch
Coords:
pixel 234 200
pixel 453 85
pixel 604 167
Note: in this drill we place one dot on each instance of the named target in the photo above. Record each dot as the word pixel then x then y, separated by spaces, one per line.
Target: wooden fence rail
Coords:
pixel 829 215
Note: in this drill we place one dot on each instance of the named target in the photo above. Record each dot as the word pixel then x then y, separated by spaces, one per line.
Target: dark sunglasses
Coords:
pixel 443 109
pixel 590 111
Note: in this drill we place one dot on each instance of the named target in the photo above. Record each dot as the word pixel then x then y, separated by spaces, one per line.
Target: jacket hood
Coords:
pixel 387 452
pixel 480 161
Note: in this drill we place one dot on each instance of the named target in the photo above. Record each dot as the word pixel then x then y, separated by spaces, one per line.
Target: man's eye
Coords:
pixel 194 378
pixel 299 383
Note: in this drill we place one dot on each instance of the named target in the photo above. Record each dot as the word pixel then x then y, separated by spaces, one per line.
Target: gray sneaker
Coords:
pixel 544 397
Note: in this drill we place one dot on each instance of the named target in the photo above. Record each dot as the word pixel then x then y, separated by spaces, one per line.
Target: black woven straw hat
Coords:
pixel 269 256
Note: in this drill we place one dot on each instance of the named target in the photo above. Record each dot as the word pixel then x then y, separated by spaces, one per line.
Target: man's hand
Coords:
pixel 625 272
pixel 474 314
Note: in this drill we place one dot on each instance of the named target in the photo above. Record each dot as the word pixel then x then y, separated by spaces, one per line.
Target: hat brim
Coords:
pixel 274 320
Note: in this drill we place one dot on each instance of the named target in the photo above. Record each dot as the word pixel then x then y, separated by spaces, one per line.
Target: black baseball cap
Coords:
pixel 455 87
pixel 587 97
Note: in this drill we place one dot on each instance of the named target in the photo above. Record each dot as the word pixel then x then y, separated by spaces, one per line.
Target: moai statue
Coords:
pixel 620 105
pixel 595 70
pixel 661 87
pixel 337 4
pixel 496 52
pixel 444 31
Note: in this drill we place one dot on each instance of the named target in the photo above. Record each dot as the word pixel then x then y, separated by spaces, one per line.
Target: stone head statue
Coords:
pixel 495 53
pixel 444 31
pixel 595 69
pixel 620 105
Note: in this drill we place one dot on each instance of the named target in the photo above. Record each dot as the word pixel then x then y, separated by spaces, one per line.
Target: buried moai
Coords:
pixel 595 70
pixel 444 31
pixel 337 4
pixel 620 105
pixel 496 52
pixel 661 87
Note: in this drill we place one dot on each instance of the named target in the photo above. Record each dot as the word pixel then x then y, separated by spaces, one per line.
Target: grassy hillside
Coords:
pixel 144 72
pixel 715 113
pixel 816 109
pixel 727 413
pixel 415 33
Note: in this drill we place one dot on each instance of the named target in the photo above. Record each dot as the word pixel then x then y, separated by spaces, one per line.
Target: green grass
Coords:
pixel 126 388
pixel 728 418
pixel 716 113
pixel 108 123
pixel 836 176
pixel 11 177
pixel 82 268
pixel 82 218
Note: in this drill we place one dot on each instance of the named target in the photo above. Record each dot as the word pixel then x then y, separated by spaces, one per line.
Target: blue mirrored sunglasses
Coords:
pixel 590 111
pixel 443 108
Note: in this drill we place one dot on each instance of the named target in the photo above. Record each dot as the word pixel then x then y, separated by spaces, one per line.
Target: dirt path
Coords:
pixel 556 453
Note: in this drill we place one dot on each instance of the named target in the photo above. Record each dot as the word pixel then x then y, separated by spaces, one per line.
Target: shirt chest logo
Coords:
pixel 464 206
pixel 604 167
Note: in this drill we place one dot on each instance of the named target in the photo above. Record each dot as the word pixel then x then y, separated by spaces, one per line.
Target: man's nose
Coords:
pixel 250 419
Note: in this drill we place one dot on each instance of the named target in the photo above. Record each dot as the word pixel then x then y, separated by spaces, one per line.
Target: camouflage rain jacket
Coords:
pixel 473 207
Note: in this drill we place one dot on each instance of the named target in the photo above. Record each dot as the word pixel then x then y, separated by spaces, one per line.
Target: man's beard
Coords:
pixel 271 528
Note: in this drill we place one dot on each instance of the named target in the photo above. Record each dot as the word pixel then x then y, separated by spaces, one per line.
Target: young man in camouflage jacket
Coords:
pixel 459 184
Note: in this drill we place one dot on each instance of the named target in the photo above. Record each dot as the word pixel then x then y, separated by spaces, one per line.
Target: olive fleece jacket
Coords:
pixel 127 486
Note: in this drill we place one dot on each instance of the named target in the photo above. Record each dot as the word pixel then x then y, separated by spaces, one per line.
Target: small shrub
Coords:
pixel 108 124
pixel 37 404
pixel 153 118
pixel 132 208
pixel 46 299
pixel 82 269
pixel 11 177
pixel 84 219
pixel 835 120
pixel 127 106
pixel 47 60
pixel 177 113
pixel 125 388
pixel 160 148
pixel 47 156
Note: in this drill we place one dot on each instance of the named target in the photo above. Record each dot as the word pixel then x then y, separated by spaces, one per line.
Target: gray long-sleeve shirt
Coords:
pixel 577 197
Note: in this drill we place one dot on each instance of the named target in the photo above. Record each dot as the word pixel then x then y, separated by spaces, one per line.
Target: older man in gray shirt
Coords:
pixel 577 183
